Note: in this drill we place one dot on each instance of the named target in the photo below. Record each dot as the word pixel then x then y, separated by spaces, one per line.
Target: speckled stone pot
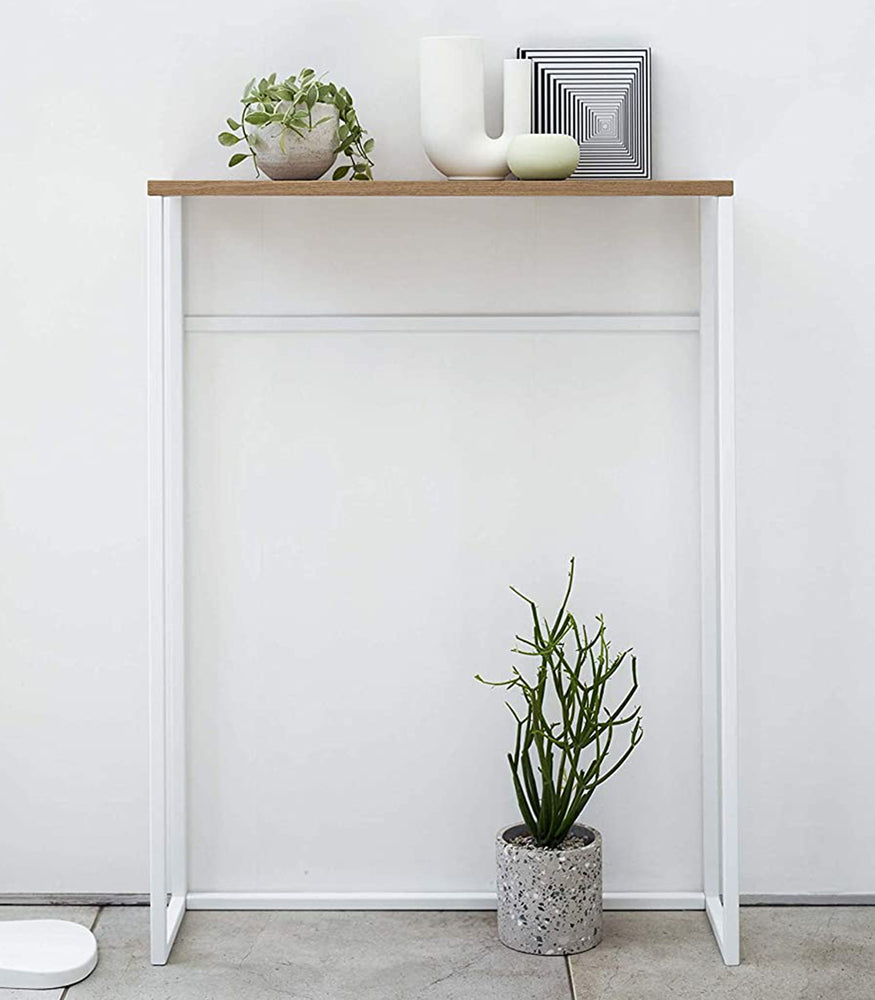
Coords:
pixel 303 157
pixel 549 899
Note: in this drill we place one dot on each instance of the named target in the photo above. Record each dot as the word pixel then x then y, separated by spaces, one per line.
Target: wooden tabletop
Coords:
pixel 447 188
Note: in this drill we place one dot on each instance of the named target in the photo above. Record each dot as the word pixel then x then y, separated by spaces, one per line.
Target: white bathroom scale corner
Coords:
pixel 45 954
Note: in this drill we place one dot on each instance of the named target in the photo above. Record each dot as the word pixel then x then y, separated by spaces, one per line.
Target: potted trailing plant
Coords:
pixel 293 129
pixel 549 867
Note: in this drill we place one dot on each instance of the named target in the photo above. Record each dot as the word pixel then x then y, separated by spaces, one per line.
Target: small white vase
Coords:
pixel 543 157
pixel 291 157
pixel 453 115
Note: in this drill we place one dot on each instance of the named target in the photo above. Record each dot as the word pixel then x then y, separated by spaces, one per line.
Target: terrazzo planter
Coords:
pixel 549 898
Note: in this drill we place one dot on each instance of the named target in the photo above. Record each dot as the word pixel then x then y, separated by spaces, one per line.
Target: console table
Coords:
pixel 168 842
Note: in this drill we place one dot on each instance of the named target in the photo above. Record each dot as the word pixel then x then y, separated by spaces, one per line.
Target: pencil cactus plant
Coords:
pixel 564 747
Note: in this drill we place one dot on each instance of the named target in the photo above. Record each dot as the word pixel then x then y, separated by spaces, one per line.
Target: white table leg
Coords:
pixel 167 826
pixel 718 590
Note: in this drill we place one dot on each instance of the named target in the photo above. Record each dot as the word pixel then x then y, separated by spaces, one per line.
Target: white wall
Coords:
pixel 103 96
pixel 357 503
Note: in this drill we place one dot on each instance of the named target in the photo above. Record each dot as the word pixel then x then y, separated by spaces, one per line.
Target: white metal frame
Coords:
pixel 169 893
pixel 167 820
pixel 718 583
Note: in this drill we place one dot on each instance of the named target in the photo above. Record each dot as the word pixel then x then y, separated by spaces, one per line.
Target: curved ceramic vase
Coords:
pixel 291 157
pixel 549 898
pixel 453 110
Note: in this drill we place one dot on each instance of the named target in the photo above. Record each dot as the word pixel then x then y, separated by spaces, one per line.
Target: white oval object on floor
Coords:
pixel 45 954
pixel 542 157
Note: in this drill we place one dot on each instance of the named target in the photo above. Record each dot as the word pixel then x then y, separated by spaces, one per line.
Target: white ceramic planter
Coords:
pixel 293 157
pixel 549 899
pixel 453 110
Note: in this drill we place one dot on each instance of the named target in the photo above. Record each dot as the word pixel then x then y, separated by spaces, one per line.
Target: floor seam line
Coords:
pixel 570 975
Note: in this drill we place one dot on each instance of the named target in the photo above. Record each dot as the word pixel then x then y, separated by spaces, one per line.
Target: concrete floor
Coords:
pixel 789 953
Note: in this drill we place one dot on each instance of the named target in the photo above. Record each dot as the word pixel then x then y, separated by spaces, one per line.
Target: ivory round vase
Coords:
pixel 542 157
pixel 549 898
pixel 452 105
pixel 285 156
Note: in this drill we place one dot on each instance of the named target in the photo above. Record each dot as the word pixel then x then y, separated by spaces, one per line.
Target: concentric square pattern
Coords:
pixel 602 98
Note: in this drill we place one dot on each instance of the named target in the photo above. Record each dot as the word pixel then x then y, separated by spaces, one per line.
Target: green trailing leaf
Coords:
pixel 289 103
pixel 564 732
pixel 238 158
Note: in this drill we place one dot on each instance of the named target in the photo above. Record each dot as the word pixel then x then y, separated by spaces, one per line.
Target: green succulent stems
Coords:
pixel 290 103
pixel 565 730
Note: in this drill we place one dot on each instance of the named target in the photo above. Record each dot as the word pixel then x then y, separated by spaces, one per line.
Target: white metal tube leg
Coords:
pixel 718 591
pixel 167 826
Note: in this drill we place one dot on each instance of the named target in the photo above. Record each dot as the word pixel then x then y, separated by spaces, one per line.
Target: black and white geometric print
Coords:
pixel 602 98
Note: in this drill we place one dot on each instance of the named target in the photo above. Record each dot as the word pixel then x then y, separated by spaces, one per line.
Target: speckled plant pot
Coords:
pixel 549 899
pixel 303 157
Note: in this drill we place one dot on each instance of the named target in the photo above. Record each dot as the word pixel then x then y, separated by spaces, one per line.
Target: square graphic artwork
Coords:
pixel 602 98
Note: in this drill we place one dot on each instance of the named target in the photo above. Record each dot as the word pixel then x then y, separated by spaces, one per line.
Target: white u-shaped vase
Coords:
pixel 453 110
